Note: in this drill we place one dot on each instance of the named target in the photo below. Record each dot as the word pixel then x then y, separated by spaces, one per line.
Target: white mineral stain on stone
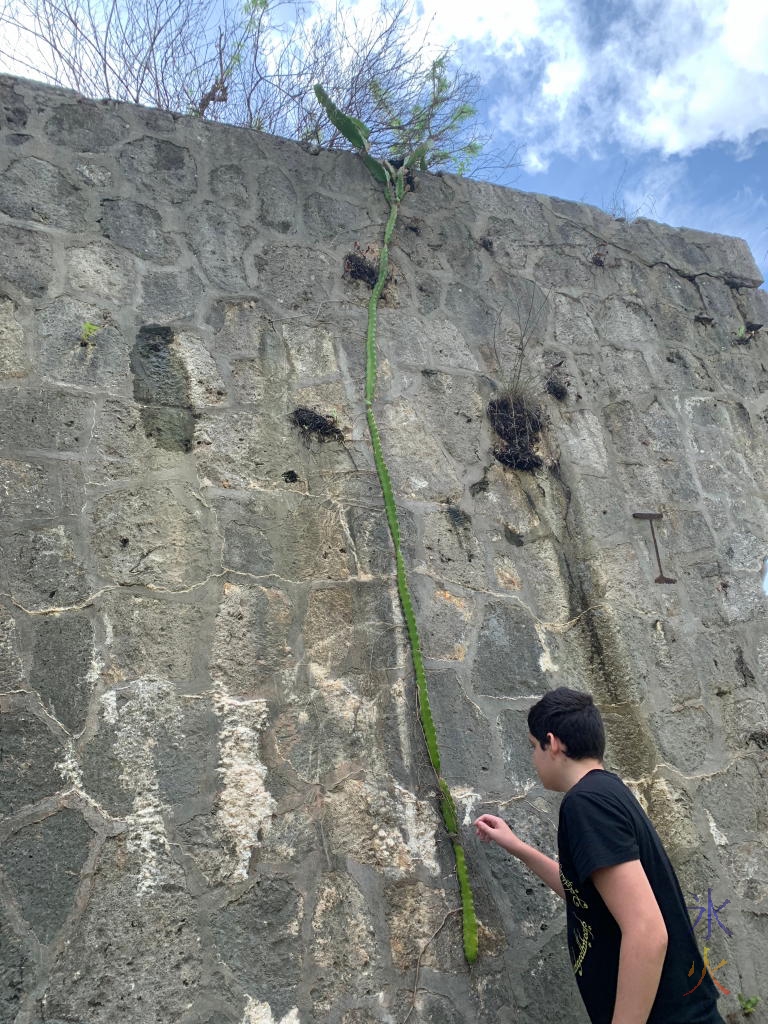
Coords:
pixel 419 822
pixel 261 1013
pixel 717 835
pixel 152 702
pixel 109 706
pixel 95 669
pixel 546 663
pixel 466 798
pixel 147 839
pixel 9 652
pixel 69 766
pixel 245 805
pixel 584 441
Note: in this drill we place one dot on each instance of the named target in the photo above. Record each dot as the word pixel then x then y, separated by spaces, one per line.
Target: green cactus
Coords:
pixel 394 189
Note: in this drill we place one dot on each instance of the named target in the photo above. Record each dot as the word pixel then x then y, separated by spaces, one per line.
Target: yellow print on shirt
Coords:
pixel 573 892
pixel 583 945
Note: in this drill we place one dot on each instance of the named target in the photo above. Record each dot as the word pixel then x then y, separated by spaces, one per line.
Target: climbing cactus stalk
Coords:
pixel 394 181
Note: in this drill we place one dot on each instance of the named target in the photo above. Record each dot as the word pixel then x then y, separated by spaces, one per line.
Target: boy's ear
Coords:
pixel 555 744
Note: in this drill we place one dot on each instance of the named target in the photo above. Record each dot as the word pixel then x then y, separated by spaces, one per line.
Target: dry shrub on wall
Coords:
pixel 517 419
pixel 516 413
pixel 252 65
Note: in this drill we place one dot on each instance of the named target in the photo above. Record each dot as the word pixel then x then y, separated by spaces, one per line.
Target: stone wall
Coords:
pixel 216 805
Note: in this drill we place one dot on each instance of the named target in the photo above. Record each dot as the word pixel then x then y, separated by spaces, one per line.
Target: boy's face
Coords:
pixel 545 762
pixel 540 760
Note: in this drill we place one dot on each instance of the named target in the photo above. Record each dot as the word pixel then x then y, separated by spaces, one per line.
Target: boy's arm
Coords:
pixel 627 894
pixel 492 829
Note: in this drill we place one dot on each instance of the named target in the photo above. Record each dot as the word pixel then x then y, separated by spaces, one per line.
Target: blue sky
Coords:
pixel 655 108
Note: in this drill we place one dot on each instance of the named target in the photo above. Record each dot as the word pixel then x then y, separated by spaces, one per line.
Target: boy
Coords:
pixel 629 935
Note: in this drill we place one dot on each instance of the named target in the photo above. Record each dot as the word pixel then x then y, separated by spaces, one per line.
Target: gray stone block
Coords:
pixel 138 228
pixel 37 191
pixel 169 295
pixel 15 973
pixel 161 535
pixel 287 535
pixel 80 344
pixel 161 636
pixel 219 243
pixel 465 735
pixel 26 260
pixel 123 935
pixel 85 126
pixel 43 569
pixel 161 386
pixel 39 490
pixel 63 666
pixel 349 631
pixel 101 767
pixel 162 169
pixel 14 358
pixel 102 271
pixel 14 108
pixel 228 184
pixel 42 864
pixel 251 643
pixel 28 767
pixel 255 936
pixel 44 419
pixel 188 755
pixel 507 661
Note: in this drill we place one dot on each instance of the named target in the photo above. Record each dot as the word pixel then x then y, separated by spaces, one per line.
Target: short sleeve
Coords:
pixel 600 833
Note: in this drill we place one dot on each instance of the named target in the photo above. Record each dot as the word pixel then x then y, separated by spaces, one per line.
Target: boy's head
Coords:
pixel 572 717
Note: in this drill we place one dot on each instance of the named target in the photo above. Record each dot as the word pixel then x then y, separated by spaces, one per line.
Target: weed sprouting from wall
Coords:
pixel 361 266
pixel 393 176
pixel 516 414
pixel 517 420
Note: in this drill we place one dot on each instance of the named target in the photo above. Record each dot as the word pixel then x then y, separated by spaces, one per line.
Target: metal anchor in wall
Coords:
pixel 651 517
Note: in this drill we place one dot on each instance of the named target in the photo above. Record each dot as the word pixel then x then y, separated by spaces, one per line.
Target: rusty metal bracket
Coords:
pixel 651 517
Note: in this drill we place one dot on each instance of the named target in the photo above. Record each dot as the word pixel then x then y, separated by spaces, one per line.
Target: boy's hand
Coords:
pixel 490 828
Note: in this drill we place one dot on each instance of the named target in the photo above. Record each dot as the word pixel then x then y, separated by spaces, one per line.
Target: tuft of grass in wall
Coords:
pixel 394 181
pixel 515 412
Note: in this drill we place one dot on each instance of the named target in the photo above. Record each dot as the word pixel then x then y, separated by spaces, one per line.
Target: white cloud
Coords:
pixel 672 75
pixel 494 25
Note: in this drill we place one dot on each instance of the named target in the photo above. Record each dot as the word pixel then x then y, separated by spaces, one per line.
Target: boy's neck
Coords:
pixel 574 771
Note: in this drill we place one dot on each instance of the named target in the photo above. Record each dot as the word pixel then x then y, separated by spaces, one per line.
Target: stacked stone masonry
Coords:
pixel 215 803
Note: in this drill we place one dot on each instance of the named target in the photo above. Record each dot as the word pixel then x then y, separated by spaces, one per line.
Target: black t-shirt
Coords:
pixel 602 824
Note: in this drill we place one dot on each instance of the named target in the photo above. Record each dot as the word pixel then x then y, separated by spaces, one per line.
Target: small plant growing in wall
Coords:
pixel 415 148
pixel 746 333
pixel 87 332
pixel 748 1006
